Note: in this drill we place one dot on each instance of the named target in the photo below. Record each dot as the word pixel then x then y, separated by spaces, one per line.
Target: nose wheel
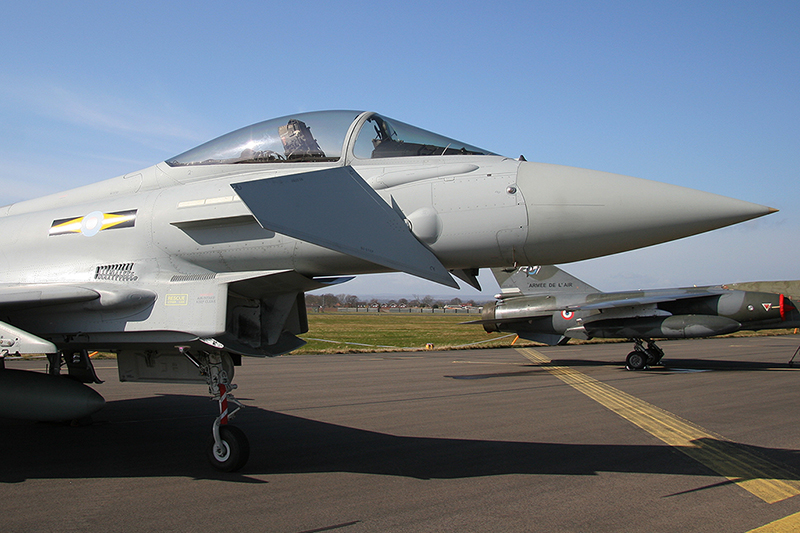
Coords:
pixel 233 449
pixel 228 448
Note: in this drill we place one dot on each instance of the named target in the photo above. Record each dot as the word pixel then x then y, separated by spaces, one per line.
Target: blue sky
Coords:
pixel 699 94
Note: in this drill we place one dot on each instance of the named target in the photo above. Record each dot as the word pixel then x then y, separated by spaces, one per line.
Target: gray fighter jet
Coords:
pixel 184 267
pixel 546 304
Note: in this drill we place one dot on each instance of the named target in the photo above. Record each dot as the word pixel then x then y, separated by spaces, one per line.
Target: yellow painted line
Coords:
pixel 757 475
pixel 789 524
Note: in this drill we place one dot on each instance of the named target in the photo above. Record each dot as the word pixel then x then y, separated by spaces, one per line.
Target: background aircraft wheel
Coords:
pixel 636 360
pixel 235 449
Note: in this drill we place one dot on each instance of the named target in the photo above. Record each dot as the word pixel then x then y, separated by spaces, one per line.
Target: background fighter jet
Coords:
pixel 184 267
pixel 546 304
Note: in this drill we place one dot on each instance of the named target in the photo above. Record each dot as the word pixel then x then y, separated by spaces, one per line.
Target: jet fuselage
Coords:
pixel 161 250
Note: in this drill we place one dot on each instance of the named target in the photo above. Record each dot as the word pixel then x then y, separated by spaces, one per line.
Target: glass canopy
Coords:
pixel 320 137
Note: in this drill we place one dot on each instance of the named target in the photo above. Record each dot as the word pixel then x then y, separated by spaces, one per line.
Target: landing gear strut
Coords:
pixel 79 365
pixel 642 357
pixel 228 448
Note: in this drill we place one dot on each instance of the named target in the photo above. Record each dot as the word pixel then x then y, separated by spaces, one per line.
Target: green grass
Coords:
pixel 370 332
pixel 389 331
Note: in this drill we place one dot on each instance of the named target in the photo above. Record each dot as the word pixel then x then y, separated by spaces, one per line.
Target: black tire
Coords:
pixel 235 453
pixel 636 360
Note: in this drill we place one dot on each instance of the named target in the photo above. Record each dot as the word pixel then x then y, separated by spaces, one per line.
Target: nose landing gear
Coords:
pixel 228 448
pixel 232 451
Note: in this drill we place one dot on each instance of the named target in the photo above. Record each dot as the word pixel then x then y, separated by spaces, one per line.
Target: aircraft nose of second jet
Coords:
pixel 579 213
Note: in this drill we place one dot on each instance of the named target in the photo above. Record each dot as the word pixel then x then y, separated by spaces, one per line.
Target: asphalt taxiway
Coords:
pixel 544 439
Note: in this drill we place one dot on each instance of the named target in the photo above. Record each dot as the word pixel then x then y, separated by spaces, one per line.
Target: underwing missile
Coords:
pixel 29 395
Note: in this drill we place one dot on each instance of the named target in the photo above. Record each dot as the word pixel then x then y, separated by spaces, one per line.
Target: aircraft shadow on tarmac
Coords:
pixel 164 436
pixel 687 364
pixel 668 366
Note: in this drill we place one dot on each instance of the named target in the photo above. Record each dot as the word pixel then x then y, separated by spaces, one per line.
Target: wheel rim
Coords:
pixel 222 453
pixel 636 360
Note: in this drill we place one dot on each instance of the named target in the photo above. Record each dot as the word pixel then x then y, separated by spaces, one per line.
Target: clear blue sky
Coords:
pixel 699 94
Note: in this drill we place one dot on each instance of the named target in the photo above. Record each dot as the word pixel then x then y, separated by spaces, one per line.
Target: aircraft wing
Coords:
pixel 610 303
pixel 335 208
pixel 642 300
pixel 514 320
pixel 22 297
pixel 102 295
pixel 16 296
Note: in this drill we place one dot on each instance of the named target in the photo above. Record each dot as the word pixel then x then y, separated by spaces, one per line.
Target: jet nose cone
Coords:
pixel 576 214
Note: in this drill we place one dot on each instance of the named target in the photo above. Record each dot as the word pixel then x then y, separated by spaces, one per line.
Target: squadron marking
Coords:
pixel 93 223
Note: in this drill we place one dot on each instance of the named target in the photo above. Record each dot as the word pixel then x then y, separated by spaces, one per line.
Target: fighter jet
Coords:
pixel 546 304
pixel 184 267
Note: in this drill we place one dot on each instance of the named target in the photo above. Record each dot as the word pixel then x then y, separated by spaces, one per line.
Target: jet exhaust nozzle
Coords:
pixel 488 314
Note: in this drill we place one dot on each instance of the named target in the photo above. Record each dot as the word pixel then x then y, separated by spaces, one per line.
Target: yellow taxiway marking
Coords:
pixel 755 474
pixel 788 524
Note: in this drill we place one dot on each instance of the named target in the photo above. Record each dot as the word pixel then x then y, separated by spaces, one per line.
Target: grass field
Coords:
pixel 389 331
pixel 346 332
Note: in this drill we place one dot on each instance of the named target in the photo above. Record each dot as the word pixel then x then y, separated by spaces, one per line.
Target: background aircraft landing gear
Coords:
pixel 636 360
pixel 654 353
pixel 228 448
pixel 641 357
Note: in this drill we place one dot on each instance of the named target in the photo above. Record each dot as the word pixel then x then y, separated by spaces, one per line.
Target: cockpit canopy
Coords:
pixel 321 137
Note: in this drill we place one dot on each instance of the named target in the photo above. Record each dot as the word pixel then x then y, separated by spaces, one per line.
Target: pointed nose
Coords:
pixel 576 214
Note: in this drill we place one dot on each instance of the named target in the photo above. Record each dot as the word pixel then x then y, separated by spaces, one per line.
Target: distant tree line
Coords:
pixel 350 300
